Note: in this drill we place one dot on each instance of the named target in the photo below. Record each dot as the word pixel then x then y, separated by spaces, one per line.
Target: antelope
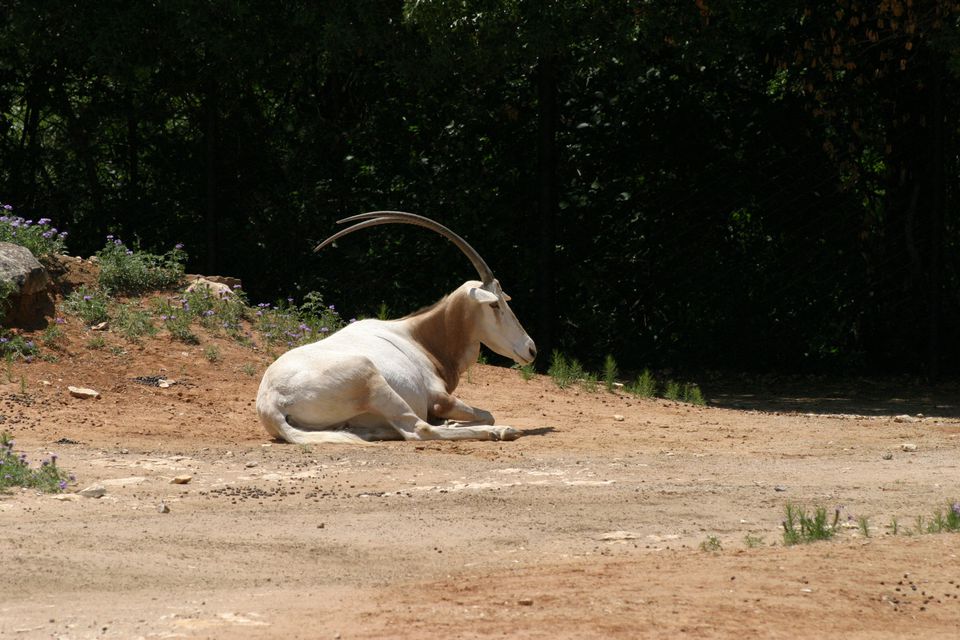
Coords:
pixel 394 379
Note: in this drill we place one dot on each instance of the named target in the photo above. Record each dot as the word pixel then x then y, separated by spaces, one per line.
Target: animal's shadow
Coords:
pixel 538 431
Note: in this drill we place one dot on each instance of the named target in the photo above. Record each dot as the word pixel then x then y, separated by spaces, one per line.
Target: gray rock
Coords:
pixel 30 301
pixel 94 491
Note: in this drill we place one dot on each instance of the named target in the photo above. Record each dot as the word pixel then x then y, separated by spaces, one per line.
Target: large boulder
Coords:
pixel 22 276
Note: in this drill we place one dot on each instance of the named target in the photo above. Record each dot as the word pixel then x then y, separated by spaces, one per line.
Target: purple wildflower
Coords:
pixel 178 246
pixel 8 207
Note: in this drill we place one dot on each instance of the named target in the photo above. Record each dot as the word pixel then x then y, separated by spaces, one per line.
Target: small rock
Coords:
pixel 904 418
pixel 163 508
pixel 65 497
pixel 525 602
pixel 94 491
pixel 182 479
pixel 251 464
pixel 163 383
pixel 908 446
pixel 101 326
pixel 618 417
pixel 81 392
pixel 888 455
pixel 779 488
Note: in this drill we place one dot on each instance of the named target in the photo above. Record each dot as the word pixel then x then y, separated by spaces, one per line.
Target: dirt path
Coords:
pixel 590 526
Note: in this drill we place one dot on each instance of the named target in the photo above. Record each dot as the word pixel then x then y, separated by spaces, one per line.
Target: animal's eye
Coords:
pixel 494 305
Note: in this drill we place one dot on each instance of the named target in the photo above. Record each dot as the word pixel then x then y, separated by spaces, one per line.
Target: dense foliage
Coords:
pixel 730 184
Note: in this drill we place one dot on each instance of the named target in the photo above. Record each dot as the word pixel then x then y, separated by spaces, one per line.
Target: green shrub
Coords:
pixel 13 347
pixel 672 391
pixel 39 237
pixel 133 323
pixel 798 527
pixel 291 325
pixel 123 270
pixel 610 372
pixel 91 306
pixel 15 471
pixel 644 386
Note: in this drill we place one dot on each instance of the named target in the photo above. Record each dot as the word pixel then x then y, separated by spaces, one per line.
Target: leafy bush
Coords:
pixel 292 325
pixel 16 472
pixel 13 346
pixel 123 270
pixel 39 237
pixel 91 306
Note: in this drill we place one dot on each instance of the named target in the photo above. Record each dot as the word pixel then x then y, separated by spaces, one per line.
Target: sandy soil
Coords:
pixel 589 526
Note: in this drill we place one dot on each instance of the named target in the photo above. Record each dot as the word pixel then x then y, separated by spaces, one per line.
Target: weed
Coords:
pixel 798 527
pixel 117 350
pixel 527 371
pixel 894 526
pixel 212 353
pixel 15 471
pixel 249 369
pixel 97 342
pixel 673 391
pixel 692 394
pixel 753 542
pixel 644 386
pixel 610 372
pixel 711 544
pixel 90 305
pixel 945 521
pixel 589 382
pixel 133 323
pixel 864 525
pixel 13 347
pixel 23 385
pixel 123 270
pixel 53 335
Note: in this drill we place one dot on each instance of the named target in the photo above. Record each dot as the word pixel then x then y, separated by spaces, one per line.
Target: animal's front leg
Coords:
pixel 449 407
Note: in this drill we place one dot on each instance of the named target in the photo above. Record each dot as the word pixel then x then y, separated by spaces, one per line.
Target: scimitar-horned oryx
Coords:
pixel 394 379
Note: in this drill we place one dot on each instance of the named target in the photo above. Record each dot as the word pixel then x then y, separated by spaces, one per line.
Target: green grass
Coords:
pixel 673 390
pixel 15 470
pixel 212 353
pixel 527 371
pixel 801 528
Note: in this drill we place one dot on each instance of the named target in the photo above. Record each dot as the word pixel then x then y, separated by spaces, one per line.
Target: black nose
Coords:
pixel 533 353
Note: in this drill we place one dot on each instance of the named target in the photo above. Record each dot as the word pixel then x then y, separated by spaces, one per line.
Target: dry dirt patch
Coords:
pixel 587 527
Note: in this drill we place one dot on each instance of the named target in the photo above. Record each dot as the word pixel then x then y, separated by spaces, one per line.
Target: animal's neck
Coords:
pixel 443 331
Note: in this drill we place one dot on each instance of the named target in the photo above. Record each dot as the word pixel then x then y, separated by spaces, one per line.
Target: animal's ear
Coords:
pixel 483 296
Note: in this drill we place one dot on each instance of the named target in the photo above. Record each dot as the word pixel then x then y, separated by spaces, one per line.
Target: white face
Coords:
pixel 499 329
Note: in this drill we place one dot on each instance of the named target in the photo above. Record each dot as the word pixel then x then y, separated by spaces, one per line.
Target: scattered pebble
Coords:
pixel 94 491
pixel 618 417
pixel 908 446
pixel 888 455
pixel 251 464
pixel 525 602
pixel 904 418
pixel 100 326
pixel 163 508
pixel 182 479
pixel 779 488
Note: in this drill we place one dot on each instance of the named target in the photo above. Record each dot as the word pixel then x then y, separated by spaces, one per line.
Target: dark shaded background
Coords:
pixel 763 186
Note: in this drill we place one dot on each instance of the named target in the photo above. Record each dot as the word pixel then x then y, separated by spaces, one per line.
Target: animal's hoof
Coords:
pixel 508 433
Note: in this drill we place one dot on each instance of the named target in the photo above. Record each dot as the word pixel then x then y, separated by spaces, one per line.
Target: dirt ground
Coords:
pixel 590 526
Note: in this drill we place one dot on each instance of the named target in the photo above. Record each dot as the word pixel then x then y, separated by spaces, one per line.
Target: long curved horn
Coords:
pixel 375 218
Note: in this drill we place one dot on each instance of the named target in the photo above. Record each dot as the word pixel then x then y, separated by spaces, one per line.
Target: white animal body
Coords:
pixel 394 379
